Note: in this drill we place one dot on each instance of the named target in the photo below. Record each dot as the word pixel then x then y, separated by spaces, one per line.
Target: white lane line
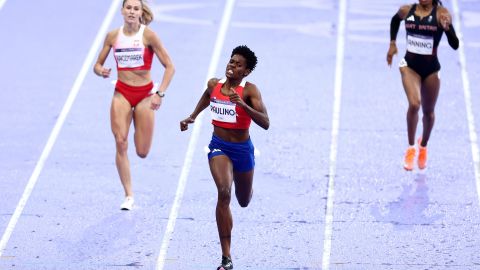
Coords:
pixel 2 2
pixel 87 67
pixel 468 97
pixel 212 69
pixel 327 241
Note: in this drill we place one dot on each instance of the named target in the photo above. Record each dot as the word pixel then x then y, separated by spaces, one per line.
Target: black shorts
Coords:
pixel 423 65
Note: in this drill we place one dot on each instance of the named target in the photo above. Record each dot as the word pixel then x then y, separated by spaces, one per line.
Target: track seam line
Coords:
pixel 227 14
pixel 327 241
pixel 87 65
pixel 468 98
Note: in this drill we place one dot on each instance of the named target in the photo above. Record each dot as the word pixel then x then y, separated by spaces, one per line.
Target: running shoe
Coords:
pixel 409 158
pixel 226 264
pixel 422 155
pixel 127 204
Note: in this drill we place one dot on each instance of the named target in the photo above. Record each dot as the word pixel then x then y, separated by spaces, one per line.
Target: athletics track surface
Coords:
pixel 329 189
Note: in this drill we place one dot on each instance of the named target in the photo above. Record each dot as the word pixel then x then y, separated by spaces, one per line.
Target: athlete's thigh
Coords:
pixel 221 168
pixel 411 83
pixel 243 182
pixel 120 115
pixel 430 91
pixel 144 121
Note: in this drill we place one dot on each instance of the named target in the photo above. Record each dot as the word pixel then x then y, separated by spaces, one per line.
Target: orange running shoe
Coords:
pixel 409 158
pixel 422 155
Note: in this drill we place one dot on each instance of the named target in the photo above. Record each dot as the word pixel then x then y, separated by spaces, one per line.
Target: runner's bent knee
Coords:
pixel 121 143
pixel 142 153
pixel 224 195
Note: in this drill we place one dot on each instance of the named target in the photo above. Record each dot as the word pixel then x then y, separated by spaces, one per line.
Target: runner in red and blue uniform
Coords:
pixel 425 24
pixel 233 103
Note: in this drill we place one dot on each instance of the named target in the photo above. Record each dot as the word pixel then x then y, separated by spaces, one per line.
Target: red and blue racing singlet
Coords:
pixel 224 112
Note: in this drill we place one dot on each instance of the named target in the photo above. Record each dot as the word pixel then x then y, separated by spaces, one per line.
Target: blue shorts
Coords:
pixel 241 154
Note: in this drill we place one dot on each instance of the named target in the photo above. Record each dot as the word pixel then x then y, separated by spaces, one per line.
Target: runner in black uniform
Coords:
pixel 425 23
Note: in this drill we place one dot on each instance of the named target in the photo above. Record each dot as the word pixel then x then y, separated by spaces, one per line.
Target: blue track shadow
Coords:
pixel 410 207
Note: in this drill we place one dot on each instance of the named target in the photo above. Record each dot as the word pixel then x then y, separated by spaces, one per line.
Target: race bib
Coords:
pixel 420 44
pixel 129 57
pixel 223 111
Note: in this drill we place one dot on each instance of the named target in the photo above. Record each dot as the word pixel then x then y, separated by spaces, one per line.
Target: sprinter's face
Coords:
pixel 132 11
pixel 237 67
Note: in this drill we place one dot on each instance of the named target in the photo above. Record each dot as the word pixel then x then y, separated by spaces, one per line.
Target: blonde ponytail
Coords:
pixel 147 16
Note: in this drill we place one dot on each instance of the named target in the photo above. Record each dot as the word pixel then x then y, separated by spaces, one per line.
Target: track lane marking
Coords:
pixel 87 66
pixel 327 241
pixel 2 2
pixel 212 69
pixel 468 98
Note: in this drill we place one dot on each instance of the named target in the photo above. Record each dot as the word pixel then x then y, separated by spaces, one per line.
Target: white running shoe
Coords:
pixel 127 204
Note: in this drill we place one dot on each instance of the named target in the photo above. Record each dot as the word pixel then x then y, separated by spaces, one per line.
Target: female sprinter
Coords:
pixel 233 103
pixel 425 23
pixel 134 45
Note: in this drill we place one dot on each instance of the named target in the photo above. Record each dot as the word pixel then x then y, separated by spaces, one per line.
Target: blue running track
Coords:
pixel 329 190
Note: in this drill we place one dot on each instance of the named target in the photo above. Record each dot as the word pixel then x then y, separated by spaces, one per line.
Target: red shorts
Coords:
pixel 134 94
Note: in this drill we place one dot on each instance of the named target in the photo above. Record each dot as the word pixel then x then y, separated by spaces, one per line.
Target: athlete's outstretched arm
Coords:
pixel 201 105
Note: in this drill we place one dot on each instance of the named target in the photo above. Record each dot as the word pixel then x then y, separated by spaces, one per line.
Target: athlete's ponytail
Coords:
pixel 437 3
pixel 147 14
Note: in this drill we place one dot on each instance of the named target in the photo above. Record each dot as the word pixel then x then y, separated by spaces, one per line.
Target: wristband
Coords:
pixel 160 94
